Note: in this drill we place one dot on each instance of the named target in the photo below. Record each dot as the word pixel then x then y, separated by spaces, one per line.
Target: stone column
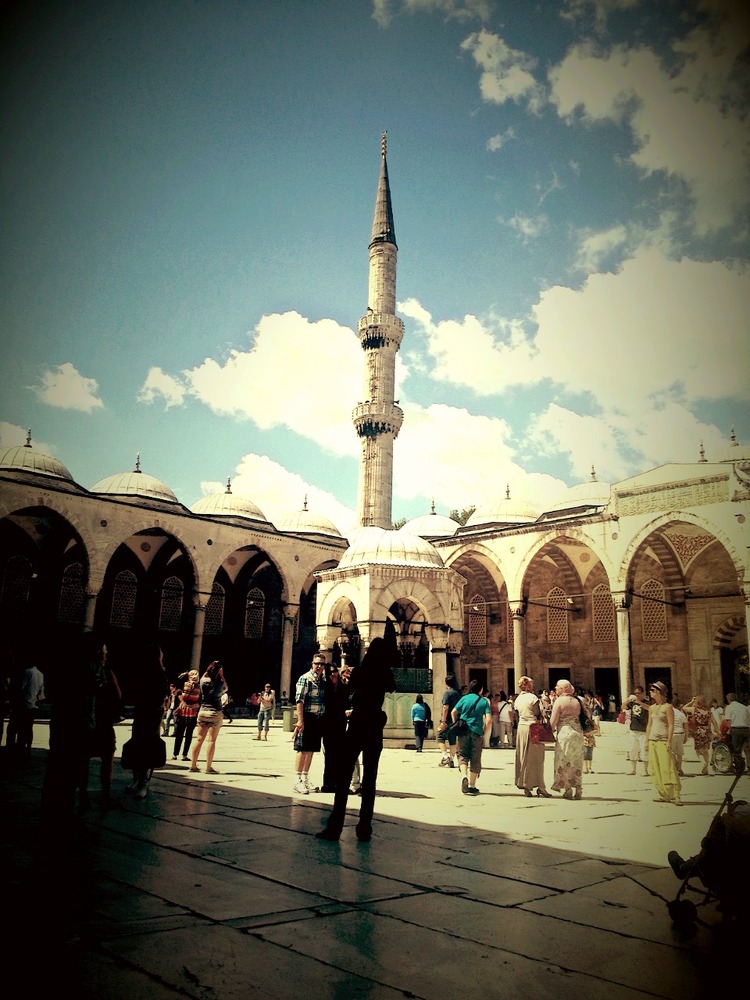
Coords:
pixel 519 642
pixel 199 622
pixel 89 611
pixel 622 607
pixel 287 647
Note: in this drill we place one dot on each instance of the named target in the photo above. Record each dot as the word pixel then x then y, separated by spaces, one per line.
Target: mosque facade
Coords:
pixel 613 585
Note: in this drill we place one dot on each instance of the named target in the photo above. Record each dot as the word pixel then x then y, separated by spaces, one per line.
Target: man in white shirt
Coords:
pixel 738 717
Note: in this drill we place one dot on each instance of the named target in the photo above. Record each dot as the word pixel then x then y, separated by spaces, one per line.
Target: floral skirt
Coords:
pixel 568 756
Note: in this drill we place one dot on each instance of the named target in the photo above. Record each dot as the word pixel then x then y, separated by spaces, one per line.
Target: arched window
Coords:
pixel 255 608
pixel 214 620
pixel 123 600
pixel 70 607
pixel 653 613
pixel 605 628
pixel 557 616
pixel 16 584
pixel 172 596
pixel 477 621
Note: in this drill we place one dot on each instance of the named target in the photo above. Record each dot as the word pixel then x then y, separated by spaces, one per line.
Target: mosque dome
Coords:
pixel 505 511
pixel 431 525
pixel 389 548
pixel 135 484
pixel 228 504
pixel 25 458
pixel 303 522
pixel 583 496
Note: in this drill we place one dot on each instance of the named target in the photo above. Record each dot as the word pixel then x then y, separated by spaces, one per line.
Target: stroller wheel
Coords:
pixel 682 911
pixel 721 758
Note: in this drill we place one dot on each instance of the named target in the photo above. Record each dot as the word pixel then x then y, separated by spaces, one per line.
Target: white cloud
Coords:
pixel 596 247
pixel 160 385
pixel 528 228
pixel 285 379
pixel 506 73
pixel 496 142
pixel 279 492
pixel 657 327
pixel 691 123
pixel 65 388
pixel 13 436
pixel 467 353
pixel 464 459
pixel 461 10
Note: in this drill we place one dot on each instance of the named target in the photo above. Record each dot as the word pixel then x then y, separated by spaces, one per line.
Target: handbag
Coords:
pixel 541 732
pixel 460 727
pixel 583 717
pixel 142 755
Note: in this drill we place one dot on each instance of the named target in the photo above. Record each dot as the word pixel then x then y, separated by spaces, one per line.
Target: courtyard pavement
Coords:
pixel 215 887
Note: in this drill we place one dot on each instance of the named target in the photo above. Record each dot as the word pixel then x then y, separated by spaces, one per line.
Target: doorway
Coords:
pixel 607 684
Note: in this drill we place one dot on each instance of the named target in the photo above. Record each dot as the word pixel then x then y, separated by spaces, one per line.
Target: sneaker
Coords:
pixel 309 787
pixel 465 785
pixel 451 763
pixel 186 758
pixel 142 792
pixel 472 790
pixel 300 787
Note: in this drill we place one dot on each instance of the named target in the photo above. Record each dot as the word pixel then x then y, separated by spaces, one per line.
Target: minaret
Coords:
pixel 378 420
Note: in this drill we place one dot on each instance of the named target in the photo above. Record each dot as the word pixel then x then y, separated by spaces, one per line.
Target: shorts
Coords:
pixel 447 735
pixel 312 733
pixel 470 750
pixel 210 718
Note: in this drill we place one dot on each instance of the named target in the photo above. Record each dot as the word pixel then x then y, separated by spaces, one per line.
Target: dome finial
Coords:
pixel 304 503
pixel 507 491
pixel 229 485
pixel 733 439
pixel 137 462
pixel 593 474
pixel 28 438
pixel 432 506
pixel 702 453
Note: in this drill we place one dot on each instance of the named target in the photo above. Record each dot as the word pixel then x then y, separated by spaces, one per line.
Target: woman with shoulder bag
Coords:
pixel 529 755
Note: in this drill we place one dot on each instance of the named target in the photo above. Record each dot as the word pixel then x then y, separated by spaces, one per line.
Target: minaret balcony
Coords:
pixel 380 330
pixel 372 418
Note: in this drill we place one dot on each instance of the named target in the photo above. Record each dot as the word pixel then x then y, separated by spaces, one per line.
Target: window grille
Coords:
pixel 124 593
pixel 72 594
pixel 172 596
pixel 653 614
pixel 557 616
pixel 214 620
pixel 477 621
pixel 605 627
pixel 255 607
pixel 16 584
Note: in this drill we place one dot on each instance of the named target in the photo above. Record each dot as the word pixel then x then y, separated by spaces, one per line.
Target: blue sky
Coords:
pixel 188 189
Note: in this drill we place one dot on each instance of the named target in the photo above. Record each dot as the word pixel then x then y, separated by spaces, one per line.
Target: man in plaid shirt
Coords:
pixel 310 700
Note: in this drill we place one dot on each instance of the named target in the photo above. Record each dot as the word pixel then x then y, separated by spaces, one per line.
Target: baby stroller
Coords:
pixel 720 867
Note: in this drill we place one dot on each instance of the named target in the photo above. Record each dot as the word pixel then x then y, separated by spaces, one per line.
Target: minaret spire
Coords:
pixel 378 420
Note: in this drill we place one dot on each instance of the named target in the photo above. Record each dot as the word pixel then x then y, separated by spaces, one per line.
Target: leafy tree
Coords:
pixel 462 516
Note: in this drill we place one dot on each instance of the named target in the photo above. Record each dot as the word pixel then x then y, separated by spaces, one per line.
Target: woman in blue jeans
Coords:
pixel 266 709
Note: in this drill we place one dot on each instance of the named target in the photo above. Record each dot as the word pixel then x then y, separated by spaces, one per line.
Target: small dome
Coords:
pixel 302 522
pixel 505 511
pixel 389 548
pixel 135 484
pixel 431 525
pixel 25 458
pixel 228 504
pixel 583 496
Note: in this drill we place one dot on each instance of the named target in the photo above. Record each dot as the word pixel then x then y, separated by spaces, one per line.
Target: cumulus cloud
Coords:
pixel 464 457
pixel 66 388
pixel 268 385
pixel 12 436
pixel 506 73
pixel 595 248
pixel 689 123
pixel 462 10
pixel 279 492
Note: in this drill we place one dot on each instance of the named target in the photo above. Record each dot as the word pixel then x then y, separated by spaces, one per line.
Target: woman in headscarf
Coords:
pixel 368 685
pixel 566 725
pixel 529 755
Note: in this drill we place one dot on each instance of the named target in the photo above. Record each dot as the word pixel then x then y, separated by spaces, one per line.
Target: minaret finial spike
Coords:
pixel 28 438
pixel 229 485
pixel 304 504
pixel 137 462
pixel 432 506
pixel 384 144
pixel 702 453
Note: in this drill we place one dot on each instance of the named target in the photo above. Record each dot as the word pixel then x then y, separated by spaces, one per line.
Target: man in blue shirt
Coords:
pixel 474 710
